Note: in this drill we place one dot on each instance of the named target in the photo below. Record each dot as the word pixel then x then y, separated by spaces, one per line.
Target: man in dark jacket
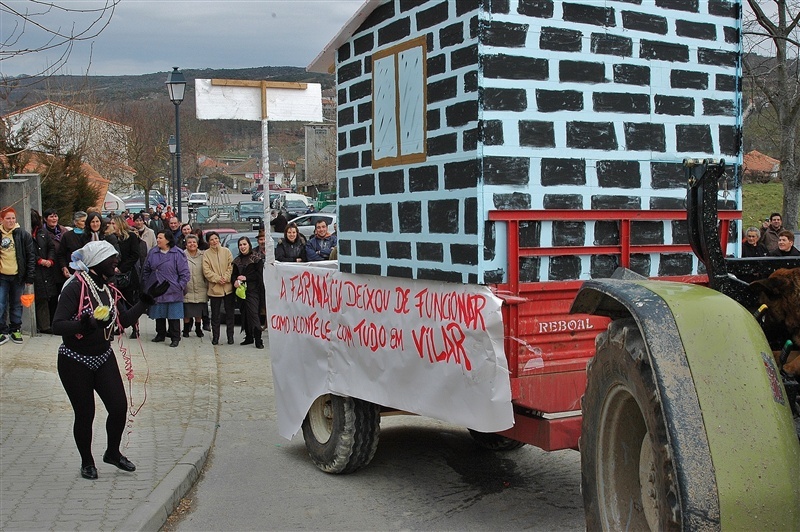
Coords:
pixel 320 245
pixel 785 246
pixel 17 268
pixel 770 230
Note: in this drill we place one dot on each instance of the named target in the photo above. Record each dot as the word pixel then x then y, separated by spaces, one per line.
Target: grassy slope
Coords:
pixel 759 201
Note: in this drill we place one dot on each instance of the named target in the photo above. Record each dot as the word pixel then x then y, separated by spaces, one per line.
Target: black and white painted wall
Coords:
pixel 450 109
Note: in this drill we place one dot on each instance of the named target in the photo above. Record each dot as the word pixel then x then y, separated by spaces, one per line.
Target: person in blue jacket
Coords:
pixel 320 245
pixel 166 262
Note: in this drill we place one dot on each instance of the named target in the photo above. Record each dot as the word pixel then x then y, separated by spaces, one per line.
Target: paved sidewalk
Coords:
pixel 169 440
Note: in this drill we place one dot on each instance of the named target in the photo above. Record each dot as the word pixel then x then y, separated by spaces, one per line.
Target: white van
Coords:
pixel 113 203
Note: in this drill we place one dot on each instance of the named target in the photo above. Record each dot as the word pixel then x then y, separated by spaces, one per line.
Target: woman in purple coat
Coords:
pixel 166 262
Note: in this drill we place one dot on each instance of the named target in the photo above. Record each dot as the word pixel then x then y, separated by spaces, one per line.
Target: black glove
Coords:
pixel 88 323
pixel 154 291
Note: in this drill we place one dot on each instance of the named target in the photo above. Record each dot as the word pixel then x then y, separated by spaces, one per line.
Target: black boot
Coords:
pixel 187 328
pixel 161 330
pixel 198 330
pixel 247 340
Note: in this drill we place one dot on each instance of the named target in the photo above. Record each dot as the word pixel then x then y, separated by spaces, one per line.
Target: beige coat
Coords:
pixel 218 264
pixel 197 289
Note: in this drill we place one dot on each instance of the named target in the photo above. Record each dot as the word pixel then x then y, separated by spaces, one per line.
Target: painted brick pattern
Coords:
pixel 536 104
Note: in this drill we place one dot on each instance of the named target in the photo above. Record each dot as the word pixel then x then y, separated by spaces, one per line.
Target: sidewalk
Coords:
pixel 169 440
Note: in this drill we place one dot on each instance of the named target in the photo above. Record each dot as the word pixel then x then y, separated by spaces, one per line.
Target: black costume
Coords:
pixel 86 361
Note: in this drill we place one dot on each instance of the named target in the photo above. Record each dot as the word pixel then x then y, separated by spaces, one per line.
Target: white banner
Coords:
pixel 245 102
pixel 430 348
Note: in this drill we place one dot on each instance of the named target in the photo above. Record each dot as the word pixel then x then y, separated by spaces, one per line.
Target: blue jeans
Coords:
pixel 10 297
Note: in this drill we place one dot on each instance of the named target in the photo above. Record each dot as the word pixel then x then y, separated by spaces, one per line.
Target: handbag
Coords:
pixel 241 291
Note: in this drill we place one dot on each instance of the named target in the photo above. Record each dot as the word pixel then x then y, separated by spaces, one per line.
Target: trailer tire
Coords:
pixel 341 433
pixel 628 478
pixel 494 442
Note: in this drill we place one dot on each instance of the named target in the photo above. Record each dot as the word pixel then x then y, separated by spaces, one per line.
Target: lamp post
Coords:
pixel 172 178
pixel 176 85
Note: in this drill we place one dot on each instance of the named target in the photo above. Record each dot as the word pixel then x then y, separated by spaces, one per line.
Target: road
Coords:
pixel 425 475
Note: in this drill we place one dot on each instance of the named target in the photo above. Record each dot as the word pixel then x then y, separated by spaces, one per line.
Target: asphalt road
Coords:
pixel 426 475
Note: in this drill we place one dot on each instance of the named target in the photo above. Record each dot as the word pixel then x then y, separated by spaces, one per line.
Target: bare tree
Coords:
pixel 52 139
pixel 321 153
pixel 14 147
pixel 198 137
pixel 35 27
pixel 147 149
pixel 772 37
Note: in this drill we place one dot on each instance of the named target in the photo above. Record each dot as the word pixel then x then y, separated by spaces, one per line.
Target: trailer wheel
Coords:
pixel 341 433
pixel 628 478
pixel 494 442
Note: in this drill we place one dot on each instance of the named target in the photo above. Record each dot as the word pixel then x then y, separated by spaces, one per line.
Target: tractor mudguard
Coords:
pixel 729 425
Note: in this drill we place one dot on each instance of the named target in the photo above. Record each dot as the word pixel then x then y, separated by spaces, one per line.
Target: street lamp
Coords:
pixel 172 147
pixel 176 85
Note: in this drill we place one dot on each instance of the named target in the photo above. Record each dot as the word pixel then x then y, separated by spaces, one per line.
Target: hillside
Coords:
pixel 104 95
pixel 18 94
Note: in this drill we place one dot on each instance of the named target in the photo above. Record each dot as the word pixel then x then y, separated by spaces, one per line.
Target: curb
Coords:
pixel 153 512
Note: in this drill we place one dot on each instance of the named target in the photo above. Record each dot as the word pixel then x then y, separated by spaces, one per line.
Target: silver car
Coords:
pixel 306 222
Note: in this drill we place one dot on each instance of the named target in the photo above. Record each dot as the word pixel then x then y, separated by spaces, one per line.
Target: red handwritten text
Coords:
pixel 450 344
pixel 312 326
pixel 370 335
pixel 452 306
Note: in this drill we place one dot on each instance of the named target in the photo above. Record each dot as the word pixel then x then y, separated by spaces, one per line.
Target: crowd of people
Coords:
pixel 151 248
pixel 770 240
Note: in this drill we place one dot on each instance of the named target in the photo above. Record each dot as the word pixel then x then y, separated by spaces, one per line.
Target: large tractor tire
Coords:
pixel 627 469
pixel 341 433
pixel 683 409
pixel 494 442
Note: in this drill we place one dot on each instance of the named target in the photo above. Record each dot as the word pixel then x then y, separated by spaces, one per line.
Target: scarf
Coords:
pixel 55 231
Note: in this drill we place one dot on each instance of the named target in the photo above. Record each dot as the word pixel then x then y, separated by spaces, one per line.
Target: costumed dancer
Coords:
pixel 86 318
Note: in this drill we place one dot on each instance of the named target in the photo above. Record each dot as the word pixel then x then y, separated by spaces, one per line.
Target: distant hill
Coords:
pixel 99 93
pixel 22 92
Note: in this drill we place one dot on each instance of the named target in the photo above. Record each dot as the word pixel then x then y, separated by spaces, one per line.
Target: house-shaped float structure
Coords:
pixel 448 110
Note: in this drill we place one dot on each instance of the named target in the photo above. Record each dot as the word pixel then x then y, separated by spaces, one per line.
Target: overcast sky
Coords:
pixel 146 36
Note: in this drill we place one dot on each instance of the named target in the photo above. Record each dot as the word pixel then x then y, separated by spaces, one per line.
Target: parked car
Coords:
pixel 306 222
pixel 135 202
pixel 330 208
pixel 223 233
pixel 197 199
pixel 250 211
pixel 295 208
pixel 232 241
pixel 245 190
pixel 257 195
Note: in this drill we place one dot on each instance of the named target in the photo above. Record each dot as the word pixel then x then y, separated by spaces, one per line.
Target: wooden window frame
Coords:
pixel 399 159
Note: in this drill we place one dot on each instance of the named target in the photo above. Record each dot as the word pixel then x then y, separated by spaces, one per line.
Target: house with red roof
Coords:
pixel 760 168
